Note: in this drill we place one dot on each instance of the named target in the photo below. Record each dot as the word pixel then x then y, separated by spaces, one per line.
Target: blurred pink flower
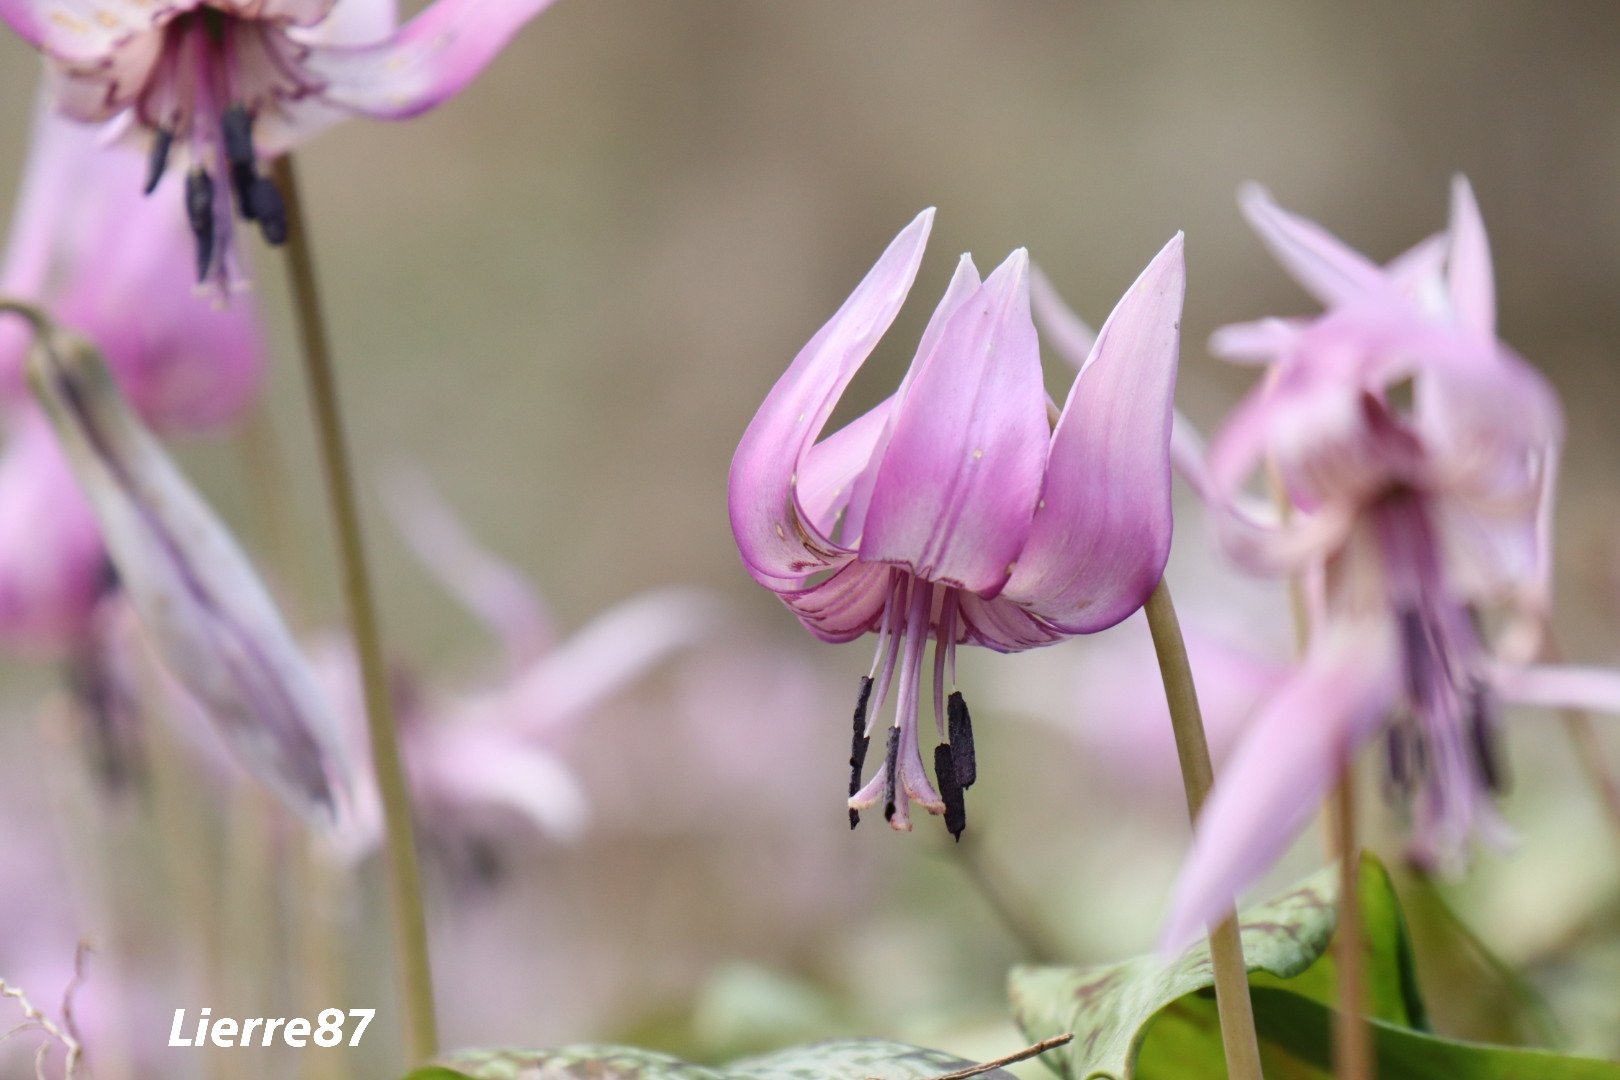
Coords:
pixel 955 509
pixel 1407 523
pixel 224 82
pixel 85 246
pixel 480 759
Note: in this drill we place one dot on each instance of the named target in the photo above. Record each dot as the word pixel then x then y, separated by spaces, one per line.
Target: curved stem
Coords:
pixel 410 923
pixel 1198 775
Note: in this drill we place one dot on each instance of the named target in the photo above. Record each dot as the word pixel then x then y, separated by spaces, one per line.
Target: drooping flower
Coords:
pixel 209 617
pixel 85 246
pixel 1417 455
pixel 225 84
pixel 956 509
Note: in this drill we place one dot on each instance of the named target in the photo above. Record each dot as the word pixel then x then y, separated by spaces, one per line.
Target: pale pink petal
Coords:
pixel 1262 342
pixel 1329 270
pixel 465 768
pixel 846 605
pixel 1473 287
pixel 20 15
pixel 1060 327
pixel 1279 774
pixel 1591 689
pixel 601 659
pixel 52 560
pixel 351 22
pixel 430 60
pixel 829 473
pixel 94 30
pixel 769 526
pixel 1002 625
pixel 1420 268
pixel 487 586
pixel 962 471
pixel 1102 535
pixel 964 283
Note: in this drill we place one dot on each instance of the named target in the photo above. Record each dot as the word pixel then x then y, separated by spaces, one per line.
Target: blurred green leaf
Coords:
pixel 1145 1020
pixel 1110 1008
pixel 843 1059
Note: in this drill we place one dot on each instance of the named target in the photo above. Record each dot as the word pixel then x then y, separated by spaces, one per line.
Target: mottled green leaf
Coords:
pixel 1110 1008
pixel 843 1059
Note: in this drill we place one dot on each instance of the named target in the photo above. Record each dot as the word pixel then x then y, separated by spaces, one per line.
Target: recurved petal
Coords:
pixel 1102 534
pixel 1560 686
pixel 1281 770
pixel 470 768
pixel 1319 261
pixel 960 477
pixel 777 541
pixel 846 605
pixel 430 60
pixel 831 472
pixel 1468 274
pixel 210 617
pixel 21 16
pixel 1002 625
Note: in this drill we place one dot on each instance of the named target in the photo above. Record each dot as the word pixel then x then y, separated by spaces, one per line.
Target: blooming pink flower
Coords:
pixel 87 247
pixel 1408 522
pixel 222 82
pixel 955 509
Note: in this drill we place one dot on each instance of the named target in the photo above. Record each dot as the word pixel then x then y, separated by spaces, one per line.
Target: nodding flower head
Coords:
pixel 958 509
pixel 225 84
pixel 1416 456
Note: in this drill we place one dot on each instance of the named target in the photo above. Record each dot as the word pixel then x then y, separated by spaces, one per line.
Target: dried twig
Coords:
pixel 65 1034
pixel 1011 1059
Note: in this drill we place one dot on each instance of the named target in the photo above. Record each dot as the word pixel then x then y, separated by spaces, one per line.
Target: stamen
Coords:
pixel 1418 655
pixel 157 161
pixel 889 770
pixel 200 213
pixel 858 747
pixel 1397 751
pixel 236 125
pixel 945 772
pixel 269 210
pixel 961 725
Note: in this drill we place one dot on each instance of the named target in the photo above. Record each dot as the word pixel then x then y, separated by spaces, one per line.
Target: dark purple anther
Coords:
pixel 1482 740
pixel 890 767
pixel 858 746
pixel 946 771
pixel 267 208
pixel 200 213
pixel 960 729
pixel 157 160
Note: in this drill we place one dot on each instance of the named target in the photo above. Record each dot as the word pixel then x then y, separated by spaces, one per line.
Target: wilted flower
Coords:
pixel 225 83
pixel 208 615
pixel 956 509
pixel 1417 455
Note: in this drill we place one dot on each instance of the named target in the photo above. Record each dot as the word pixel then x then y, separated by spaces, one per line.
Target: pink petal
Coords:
pixel 19 15
pixel 846 605
pixel 468 768
pixel 1002 625
pixel 1472 285
pixel 959 481
pixel 1329 270
pixel 1591 689
pixel 770 528
pixel 94 30
pixel 831 470
pixel 603 658
pixel 351 22
pixel 1260 342
pixel 964 283
pixel 1101 538
pixel 1278 775
pixel 430 60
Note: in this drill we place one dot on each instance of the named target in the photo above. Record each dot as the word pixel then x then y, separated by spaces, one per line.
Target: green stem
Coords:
pixel 1198 776
pixel 410 922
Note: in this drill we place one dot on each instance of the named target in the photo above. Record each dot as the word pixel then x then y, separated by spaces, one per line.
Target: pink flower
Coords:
pixel 955 509
pixel 223 82
pixel 1409 522
pixel 88 248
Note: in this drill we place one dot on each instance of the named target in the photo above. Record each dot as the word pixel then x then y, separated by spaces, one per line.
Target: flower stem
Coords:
pixel 410 922
pixel 1198 775
pixel 1352 1037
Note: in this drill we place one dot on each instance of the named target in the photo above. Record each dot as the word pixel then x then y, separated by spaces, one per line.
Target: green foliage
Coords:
pixel 1146 1019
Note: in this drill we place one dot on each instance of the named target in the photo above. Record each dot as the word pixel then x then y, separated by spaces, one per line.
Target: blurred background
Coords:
pixel 564 294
